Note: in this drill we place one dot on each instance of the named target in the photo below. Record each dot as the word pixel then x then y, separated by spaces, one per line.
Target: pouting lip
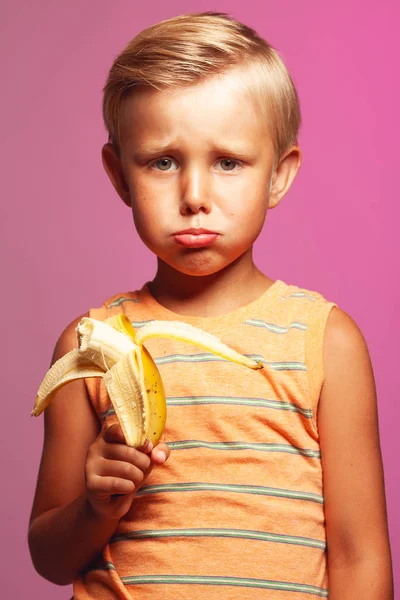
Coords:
pixel 194 231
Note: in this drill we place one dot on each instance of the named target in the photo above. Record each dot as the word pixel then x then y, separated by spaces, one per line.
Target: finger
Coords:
pixel 160 453
pixel 121 452
pixel 147 473
pixel 114 434
pixel 121 470
pixel 107 486
pixel 147 447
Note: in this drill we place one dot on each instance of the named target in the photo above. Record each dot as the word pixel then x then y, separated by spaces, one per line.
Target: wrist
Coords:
pixel 100 515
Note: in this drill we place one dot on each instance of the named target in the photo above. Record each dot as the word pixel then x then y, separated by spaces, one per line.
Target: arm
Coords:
pixel 76 510
pixel 359 563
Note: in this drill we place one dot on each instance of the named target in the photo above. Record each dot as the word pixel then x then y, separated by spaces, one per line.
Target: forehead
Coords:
pixel 215 109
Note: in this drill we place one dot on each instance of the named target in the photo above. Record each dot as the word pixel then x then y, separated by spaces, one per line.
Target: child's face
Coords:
pixel 197 158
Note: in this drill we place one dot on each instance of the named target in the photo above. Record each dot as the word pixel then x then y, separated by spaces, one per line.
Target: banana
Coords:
pixel 113 350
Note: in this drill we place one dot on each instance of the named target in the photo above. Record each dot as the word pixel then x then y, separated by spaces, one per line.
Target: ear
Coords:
pixel 113 167
pixel 284 175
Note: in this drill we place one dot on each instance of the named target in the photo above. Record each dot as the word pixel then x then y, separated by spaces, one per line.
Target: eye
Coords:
pixel 163 164
pixel 228 164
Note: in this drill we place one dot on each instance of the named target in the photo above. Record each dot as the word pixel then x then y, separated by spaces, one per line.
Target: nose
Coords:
pixel 195 192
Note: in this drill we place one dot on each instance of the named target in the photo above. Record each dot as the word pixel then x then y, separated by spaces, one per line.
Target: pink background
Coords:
pixel 69 242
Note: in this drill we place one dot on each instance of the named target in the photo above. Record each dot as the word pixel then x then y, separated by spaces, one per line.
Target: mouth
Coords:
pixel 195 238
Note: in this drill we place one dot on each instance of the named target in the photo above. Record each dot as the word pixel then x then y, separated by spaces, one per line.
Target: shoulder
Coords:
pixel 343 339
pixel 68 339
pixel 124 302
pixel 310 302
pixel 336 352
pixel 348 374
pixel 117 303
pixel 340 329
pixel 312 308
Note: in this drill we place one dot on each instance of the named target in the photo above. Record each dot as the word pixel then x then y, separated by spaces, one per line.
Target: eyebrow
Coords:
pixel 224 149
pixel 161 148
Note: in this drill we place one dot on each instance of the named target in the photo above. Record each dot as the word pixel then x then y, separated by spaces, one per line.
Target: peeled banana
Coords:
pixel 113 350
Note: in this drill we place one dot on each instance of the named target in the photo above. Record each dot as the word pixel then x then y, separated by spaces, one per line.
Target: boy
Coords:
pixel 269 467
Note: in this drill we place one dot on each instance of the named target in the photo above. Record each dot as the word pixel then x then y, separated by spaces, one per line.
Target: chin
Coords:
pixel 199 264
pixel 196 271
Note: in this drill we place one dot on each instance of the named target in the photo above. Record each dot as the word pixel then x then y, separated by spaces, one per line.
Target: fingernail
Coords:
pixel 162 455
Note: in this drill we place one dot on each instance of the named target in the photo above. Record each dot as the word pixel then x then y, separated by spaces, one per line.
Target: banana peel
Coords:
pixel 113 350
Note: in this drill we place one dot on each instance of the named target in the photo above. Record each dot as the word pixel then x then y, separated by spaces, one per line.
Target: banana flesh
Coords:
pixel 113 350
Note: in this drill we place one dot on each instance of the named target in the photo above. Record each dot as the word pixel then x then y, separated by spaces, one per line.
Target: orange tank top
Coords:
pixel 238 509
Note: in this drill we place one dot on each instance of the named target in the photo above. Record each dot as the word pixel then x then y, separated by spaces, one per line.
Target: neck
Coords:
pixel 236 285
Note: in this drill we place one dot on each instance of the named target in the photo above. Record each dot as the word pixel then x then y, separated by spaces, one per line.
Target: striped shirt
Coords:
pixel 238 509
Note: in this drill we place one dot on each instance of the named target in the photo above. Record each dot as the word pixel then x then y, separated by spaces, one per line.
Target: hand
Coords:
pixel 114 471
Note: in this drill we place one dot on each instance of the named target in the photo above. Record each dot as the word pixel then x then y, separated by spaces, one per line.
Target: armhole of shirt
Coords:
pixel 314 352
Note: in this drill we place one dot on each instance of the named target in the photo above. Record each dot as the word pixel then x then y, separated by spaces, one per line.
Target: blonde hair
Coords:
pixel 191 48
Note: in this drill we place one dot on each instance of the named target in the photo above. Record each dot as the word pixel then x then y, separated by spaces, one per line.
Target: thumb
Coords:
pixel 160 453
pixel 113 434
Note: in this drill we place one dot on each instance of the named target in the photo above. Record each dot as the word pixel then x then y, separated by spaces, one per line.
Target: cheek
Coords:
pixel 250 195
pixel 149 202
pixel 251 209
pixel 143 206
pixel 144 216
pixel 152 220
